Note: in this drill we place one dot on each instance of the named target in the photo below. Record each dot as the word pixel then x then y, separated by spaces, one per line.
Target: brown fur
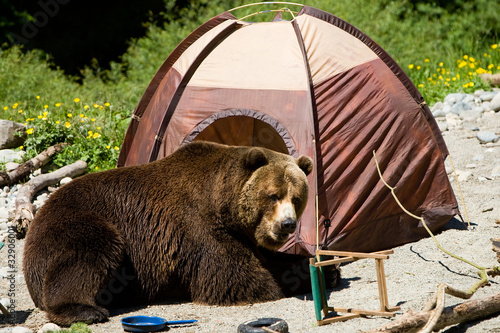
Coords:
pixel 200 222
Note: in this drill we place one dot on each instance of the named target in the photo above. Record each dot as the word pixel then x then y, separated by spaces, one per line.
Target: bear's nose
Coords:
pixel 288 225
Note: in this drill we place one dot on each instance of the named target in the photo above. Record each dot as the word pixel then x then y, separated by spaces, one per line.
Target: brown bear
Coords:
pixel 204 223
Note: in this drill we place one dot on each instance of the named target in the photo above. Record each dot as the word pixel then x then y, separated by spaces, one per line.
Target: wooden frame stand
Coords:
pixel 319 289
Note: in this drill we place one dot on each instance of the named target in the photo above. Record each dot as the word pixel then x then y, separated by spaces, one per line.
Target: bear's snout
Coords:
pixel 288 225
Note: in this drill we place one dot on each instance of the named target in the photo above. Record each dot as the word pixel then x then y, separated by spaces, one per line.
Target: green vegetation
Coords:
pixel 442 45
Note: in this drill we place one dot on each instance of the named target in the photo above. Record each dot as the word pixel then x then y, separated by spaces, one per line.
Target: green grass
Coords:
pixel 442 48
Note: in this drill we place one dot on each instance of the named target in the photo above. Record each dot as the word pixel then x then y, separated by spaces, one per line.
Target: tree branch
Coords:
pixel 25 209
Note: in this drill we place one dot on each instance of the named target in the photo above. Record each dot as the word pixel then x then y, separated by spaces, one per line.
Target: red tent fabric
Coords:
pixel 316 86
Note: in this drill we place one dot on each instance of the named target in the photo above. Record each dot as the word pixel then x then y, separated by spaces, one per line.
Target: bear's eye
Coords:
pixel 296 201
pixel 274 198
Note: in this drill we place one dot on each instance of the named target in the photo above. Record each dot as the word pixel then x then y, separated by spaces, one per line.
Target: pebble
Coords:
pixel 20 329
pixel 50 327
pixel 11 166
pixel 65 180
pixel 9 155
pixel 487 136
pixel 495 103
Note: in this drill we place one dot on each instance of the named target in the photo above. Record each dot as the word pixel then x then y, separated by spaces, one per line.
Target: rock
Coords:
pixel 49 327
pixel 65 180
pixel 454 98
pixel 11 166
pixel 20 329
pixel 439 113
pixel 12 134
pixel 437 106
pixel 468 98
pixel 463 176
pixel 460 107
pixel 487 209
pixel 443 126
pixel 9 155
pixel 478 92
pixel 495 103
pixel 487 136
pixel 487 96
pixel 470 115
pixel 4 213
pixel 446 108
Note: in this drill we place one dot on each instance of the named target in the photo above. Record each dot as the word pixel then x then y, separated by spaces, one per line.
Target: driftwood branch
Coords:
pixel 434 310
pixel 25 209
pixel 23 171
pixel 411 322
pixel 491 79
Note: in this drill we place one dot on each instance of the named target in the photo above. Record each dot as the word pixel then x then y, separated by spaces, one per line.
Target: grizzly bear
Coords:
pixel 203 223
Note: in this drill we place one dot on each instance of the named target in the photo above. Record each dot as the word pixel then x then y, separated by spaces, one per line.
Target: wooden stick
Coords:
pixel 23 171
pixel 25 210
pixel 412 322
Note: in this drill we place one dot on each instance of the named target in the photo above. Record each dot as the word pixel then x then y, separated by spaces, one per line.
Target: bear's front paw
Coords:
pixel 72 313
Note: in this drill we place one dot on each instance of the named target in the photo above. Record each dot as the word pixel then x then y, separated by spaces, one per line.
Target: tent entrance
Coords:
pixel 243 128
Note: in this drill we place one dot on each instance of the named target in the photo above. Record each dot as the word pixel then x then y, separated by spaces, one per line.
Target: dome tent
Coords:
pixel 317 86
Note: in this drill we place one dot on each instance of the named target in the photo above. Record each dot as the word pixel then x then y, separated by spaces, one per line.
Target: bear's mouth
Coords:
pixel 280 236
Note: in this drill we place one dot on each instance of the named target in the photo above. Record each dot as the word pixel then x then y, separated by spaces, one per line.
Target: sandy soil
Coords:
pixel 413 271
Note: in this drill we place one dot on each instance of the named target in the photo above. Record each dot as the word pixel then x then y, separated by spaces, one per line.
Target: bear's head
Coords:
pixel 274 197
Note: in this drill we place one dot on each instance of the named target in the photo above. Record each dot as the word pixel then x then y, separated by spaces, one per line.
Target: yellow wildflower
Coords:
pixel 107 104
pixel 15 105
pixel 427 60
pixel 45 113
pixel 67 124
pixel 421 85
pixel 5 108
pixel 98 128
pixel 116 148
pixel 410 66
pixel 58 104
pixel 58 122
pixel 76 100
pixel 96 135
pixel 45 106
pixel 418 67
pixel 39 116
pixel 20 111
pixel 96 105
pixel 107 147
pixel 37 97
pixel 21 147
pixel 86 107
pixel 82 115
pixel 490 66
pixel 90 133
pixel 462 64
pixel 494 46
pixel 29 131
pixel 96 167
pixel 69 115
pixel 92 119
pixel 441 64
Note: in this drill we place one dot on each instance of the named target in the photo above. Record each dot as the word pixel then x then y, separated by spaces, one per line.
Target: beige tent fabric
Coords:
pixel 330 50
pixel 256 56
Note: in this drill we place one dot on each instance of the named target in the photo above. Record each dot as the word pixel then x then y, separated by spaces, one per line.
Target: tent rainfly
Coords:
pixel 313 85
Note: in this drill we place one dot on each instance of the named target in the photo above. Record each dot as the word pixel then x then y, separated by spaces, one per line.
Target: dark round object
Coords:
pixel 255 326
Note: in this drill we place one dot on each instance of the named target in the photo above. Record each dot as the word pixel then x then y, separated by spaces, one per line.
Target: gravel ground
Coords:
pixel 413 271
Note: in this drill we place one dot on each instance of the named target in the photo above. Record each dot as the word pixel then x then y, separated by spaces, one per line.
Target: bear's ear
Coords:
pixel 255 159
pixel 305 163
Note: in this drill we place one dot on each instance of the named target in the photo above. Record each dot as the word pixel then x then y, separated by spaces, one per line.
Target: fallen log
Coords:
pixel 23 171
pixel 467 311
pixel 491 79
pixel 25 209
